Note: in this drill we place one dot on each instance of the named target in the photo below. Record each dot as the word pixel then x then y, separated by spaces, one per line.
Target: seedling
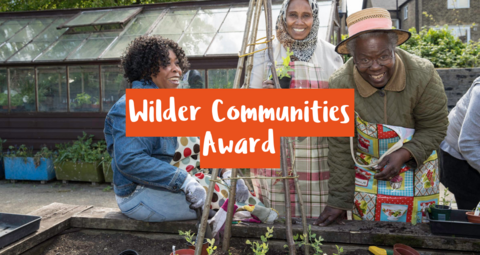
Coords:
pixel 261 248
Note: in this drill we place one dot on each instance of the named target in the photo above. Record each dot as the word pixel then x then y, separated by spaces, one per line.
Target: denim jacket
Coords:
pixel 140 160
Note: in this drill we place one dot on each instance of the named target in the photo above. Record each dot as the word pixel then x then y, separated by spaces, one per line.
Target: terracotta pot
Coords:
pixel 402 249
pixel 204 248
pixel 472 218
pixel 184 252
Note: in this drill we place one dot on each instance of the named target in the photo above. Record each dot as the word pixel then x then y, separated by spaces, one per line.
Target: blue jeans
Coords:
pixel 154 205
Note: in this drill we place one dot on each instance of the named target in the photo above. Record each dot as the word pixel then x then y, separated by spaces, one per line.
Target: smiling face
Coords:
pixel 299 19
pixel 169 76
pixel 375 60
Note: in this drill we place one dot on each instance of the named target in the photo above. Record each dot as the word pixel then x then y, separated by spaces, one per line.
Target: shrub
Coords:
pixel 82 150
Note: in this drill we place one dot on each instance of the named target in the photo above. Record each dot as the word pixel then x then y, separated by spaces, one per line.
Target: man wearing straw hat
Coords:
pixel 401 118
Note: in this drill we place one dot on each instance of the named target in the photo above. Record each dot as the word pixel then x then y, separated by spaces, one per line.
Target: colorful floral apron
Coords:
pixel 308 156
pixel 187 156
pixel 405 197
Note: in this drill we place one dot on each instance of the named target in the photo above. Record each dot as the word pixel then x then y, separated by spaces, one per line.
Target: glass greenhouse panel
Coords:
pixel 8 49
pixel 52 33
pixel 118 47
pixel 221 78
pixel 22 89
pixel 113 85
pixel 195 44
pixel 9 28
pixel 63 47
pixel 84 88
pixel 171 37
pixel 209 10
pixel 193 79
pixel 275 13
pixel 3 90
pixel 324 9
pixel 86 18
pixel 206 23
pixel 173 24
pixel 94 46
pixel 153 12
pixel 52 89
pixel 226 43
pixel 182 11
pixel 140 25
pixel 117 16
pixel 234 22
pixel 31 30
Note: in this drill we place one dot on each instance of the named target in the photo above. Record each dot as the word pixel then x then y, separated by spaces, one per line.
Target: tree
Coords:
pixel 37 5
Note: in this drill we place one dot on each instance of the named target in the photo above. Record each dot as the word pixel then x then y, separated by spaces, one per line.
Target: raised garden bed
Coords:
pixel 86 172
pixel 29 169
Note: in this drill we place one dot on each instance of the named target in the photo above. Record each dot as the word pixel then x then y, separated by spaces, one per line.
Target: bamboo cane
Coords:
pixel 300 199
pixel 231 202
pixel 238 74
pixel 267 6
pixel 206 211
pixel 288 212
pixel 253 38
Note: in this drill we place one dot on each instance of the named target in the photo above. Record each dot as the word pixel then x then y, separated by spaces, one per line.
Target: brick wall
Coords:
pixel 410 21
pixel 457 82
pixel 442 15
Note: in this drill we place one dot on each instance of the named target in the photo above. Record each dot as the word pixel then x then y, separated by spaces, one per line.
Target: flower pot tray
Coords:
pixel 458 225
pixel 14 227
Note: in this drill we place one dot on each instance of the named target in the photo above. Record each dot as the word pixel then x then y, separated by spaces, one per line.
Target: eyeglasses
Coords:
pixel 364 62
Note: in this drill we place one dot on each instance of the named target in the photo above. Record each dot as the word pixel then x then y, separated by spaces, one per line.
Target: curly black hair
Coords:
pixel 145 54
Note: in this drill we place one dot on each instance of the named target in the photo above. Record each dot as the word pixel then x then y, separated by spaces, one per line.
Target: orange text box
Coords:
pixel 240 128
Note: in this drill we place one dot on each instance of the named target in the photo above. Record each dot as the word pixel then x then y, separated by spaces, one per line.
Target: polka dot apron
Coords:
pixel 187 156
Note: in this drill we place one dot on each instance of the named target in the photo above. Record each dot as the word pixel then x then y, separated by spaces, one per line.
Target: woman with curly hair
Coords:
pixel 147 186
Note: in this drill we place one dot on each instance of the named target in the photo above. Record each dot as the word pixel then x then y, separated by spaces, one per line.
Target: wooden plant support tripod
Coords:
pixel 254 11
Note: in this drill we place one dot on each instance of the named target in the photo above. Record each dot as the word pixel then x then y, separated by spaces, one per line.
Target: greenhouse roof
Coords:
pixel 201 28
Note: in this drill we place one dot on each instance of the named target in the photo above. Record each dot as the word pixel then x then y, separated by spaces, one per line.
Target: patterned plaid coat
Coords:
pixel 309 156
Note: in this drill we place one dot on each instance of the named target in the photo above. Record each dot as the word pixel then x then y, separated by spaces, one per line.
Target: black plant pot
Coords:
pixel 285 82
pixel 128 252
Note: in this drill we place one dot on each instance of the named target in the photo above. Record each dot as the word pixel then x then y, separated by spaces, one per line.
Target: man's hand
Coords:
pixel 331 215
pixel 392 164
pixel 194 192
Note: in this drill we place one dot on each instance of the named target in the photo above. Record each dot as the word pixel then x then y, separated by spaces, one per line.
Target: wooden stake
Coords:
pixel 227 234
pixel 253 38
pixel 300 199
pixel 286 184
pixel 267 6
pixel 206 211
pixel 238 74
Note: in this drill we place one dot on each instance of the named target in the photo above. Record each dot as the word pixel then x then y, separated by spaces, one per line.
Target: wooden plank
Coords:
pixel 53 123
pixel 354 232
pixel 55 219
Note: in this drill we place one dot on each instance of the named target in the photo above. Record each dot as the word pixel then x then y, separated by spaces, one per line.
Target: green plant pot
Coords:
pixel 107 172
pixel 86 172
pixel 440 212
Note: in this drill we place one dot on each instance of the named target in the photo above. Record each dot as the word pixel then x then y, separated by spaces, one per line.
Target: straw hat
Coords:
pixel 370 20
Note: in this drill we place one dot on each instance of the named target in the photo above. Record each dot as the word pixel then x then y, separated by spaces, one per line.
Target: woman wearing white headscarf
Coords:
pixel 313 61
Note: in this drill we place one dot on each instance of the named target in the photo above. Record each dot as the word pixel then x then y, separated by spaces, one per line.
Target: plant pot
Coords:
pixel 80 171
pixel 184 252
pixel 128 252
pixel 18 168
pixel 107 172
pixel 2 169
pixel 204 247
pixel 440 212
pixel 472 218
pixel 285 82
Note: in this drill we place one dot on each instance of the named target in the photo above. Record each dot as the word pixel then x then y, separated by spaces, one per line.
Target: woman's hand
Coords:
pixel 392 164
pixel 241 194
pixel 268 84
pixel 194 193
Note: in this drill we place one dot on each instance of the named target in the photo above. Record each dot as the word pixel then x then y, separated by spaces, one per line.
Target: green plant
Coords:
pixel 3 99
pixel 261 248
pixel 315 243
pixel 442 48
pixel 83 98
pixel 444 197
pixel 211 246
pixel 285 68
pixel 1 145
pixel 44 152
pixel 106 160
pixel 16 100
pixel 83 150
pixel 339 250
pixel 188 235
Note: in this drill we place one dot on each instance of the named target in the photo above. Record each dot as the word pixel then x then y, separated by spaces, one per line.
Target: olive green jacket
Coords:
pixel 413 98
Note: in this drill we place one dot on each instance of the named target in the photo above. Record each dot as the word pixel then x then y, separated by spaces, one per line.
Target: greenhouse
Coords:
pixel 60 72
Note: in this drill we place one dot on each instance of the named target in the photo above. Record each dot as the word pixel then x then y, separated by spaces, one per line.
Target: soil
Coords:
pixel 95 242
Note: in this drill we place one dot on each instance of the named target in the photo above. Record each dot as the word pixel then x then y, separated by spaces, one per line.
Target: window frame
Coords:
pixel 405 12
pixel 451 4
